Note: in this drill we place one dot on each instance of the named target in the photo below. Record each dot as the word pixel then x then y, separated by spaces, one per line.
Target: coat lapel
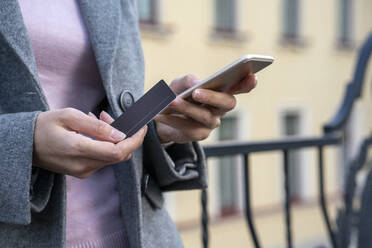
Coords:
pixel 102 20
pixel 13 30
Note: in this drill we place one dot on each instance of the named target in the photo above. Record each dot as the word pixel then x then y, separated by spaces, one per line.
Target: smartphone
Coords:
pixel 232 74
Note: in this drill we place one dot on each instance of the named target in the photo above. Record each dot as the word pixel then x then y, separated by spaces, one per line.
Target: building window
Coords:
pixel 291 19
pixel 291 127
pixel 148 11
pixel 345 22
pixel 228 170
pixel 225 16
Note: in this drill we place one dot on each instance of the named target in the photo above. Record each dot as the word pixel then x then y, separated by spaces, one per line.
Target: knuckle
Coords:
pixel 187 77
pixel 68 114
pixel 209 120
pixel 78 146
pixel 71 112
pixel 190 79
pixel 232 102
pixel 205 135
pixel 193 135
pixel 117 154
pixel 85 175
pixel 216 123
pixel 175 81
pixel 79 171
pixel 101 127
pixel 192 76
pixel 138 142
pixel 128 156
pixel 64 114
pixel 82 176
pixel 200 135
pixel 221 114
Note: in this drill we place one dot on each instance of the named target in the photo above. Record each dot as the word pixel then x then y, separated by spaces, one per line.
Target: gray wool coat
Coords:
pixel 33 200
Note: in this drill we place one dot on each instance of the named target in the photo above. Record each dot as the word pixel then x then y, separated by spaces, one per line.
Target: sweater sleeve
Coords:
pixel 176 167
pixel 23 188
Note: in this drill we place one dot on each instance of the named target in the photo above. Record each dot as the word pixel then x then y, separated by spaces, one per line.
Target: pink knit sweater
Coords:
pixel 69 77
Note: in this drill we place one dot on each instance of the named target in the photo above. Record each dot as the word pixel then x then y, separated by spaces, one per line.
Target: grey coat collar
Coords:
pixel 103 37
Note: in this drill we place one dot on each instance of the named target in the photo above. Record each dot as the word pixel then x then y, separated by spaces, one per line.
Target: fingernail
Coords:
pixel 256 77
pixel 198 94
pixel 117 135
pixel 92 115
pixel 104 113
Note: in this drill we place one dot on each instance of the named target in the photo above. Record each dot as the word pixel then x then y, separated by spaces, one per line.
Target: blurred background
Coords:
pixel 315 44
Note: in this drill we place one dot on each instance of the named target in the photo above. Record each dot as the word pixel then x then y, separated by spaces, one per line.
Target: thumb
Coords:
pixel 95 128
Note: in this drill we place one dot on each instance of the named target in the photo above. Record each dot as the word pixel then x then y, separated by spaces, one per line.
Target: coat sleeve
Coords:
pixel 23 188
pixel 177 167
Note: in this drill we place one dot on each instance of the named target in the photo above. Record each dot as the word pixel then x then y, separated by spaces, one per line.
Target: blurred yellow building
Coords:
pixel 315 46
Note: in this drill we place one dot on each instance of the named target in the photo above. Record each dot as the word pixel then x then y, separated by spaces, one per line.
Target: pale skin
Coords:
pixel 59 145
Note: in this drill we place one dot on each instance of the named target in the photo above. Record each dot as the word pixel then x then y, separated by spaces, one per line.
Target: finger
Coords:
pixel 82 123
pixel 181 84
pixel 92 115
pixel 85 147
pixel 244 86
pixel 169 109
pixel 216 111
pixel 77 167
pixel 106 152
pixel 215 99
pixel 180 129
pixel 200 113
pixel 106 117
pixel 130 144
pixel 84 167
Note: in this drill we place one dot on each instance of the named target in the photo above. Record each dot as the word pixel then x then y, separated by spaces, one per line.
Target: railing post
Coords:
pixel 247 200
pixel 287 200
pixel 322 198
pixel 205 218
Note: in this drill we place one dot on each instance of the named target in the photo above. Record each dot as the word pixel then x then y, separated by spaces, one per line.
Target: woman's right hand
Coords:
pixel 59 145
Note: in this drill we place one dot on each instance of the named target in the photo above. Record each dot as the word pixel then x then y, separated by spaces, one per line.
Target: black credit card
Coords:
pixel 145 109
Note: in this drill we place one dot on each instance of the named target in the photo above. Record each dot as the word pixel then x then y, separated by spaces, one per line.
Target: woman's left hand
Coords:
pixel 184 121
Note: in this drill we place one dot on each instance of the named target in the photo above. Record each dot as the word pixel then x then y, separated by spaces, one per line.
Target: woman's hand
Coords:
pixel 185 121
pixel 60 144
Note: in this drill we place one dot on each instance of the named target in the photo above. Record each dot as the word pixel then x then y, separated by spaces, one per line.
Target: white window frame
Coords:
pixel 235 18
pixel 286 33
pixel 345 22
pixel 239 183
pixel 307 173
pixel 155 14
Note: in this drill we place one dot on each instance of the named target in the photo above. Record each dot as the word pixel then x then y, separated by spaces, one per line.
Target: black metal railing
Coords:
pixel 338 233
pixel 283 146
